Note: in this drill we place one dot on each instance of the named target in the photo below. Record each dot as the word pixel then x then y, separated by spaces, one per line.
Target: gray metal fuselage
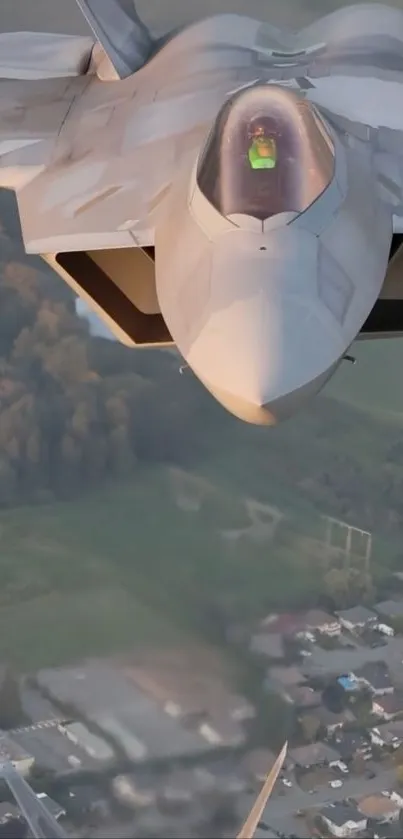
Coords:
pixel 261 307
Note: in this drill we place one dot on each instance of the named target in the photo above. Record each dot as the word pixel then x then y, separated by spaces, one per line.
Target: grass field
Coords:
pixel 144 562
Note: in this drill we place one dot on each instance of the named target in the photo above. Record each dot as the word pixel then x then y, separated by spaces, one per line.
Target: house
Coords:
pixel 343 819
pixel 286 677
pixel 302 696
pixel 383 737
pixel 269 644
pixel 257 764
pixel 11 822
pixel 375 675
pixel 55 809
pixel 13 752
pixel 357 617
pixel 130 791
pixel 390 609
pixel 389 706
pixel 385 629
pixel 348 682
pixel 379 808
pixel 330 721
pixel 317 620
pixel 315 754
pixel 287 624
pixel 352 744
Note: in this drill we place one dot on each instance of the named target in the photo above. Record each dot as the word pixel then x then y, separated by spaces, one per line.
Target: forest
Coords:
pixel 77 411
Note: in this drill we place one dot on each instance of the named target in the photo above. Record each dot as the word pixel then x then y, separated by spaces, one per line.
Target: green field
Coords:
pixel 145 563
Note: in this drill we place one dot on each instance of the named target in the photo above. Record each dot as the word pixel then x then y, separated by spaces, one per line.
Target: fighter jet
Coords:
pixel 231 189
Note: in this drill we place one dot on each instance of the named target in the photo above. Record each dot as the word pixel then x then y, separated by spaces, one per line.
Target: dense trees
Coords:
pixel 73 410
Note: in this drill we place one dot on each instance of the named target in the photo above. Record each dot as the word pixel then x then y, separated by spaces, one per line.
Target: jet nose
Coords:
pixel 264 356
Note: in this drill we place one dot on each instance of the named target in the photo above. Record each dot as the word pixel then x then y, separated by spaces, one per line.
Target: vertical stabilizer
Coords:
pixel 249 829
pixel 121 33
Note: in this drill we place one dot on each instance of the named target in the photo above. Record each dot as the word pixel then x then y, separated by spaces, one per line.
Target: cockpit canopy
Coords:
pixel 269 152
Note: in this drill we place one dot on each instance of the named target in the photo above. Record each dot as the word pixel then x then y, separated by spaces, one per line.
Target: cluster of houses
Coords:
pixel 359 653
pixel 375 815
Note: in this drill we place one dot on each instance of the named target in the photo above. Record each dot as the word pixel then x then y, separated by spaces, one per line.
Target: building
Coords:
pixel 348 682
pixel 385 629
pixel 379 808
pixel 130 791
pixel 330 722
pixel 343 819
pixel 12 824
pixel 357 617
pixel 81 736
pixel 56 810
pixel 13 752
pixel 288 624
pixel 382 737
pixel 375 676
pixel 315 754
pixel 302 697
pixel 390 609
pixel 269 644
pixel 352 744
pixel 285 677
pixel 257 764
pixel 52 750
pixel 389 706
pixel 104 697
pixel 316 620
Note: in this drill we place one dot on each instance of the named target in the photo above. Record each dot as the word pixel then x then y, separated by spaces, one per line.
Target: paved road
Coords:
pixel 280 811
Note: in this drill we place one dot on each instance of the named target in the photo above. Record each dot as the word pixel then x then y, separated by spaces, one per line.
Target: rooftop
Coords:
pixel 95 746
pixel 8 811
pixel 313 754
pixel 376 673
pixel 303 696
pixel 329 718
pixel 357 615
pixel 341 813
pixel 54 808
pixel 348 743
pixel 269 644
pixel 287 676
pixel 390 608
pixel 315 618
pixel 391 703
pixel 11 750
pixel 287 623
pixel 377 806
pixel 393 728
pixel 102 694
pixel 258 762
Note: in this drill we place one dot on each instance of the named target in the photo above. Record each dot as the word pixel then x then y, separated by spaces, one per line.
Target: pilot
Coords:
pixel 262 152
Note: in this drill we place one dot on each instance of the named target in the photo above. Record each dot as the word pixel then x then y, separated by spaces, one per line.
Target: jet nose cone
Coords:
pixel 263 356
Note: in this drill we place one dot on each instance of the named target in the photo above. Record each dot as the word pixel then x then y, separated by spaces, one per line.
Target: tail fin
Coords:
pixel 121 33
pixel 249 829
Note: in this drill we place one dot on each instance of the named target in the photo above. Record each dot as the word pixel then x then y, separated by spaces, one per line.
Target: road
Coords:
pixel 280 811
